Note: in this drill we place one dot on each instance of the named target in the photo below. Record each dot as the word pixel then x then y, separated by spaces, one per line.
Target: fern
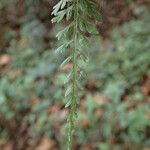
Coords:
pixel 80 14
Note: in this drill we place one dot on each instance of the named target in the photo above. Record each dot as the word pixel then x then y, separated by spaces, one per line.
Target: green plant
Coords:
pixel 75 11
pixel 31 86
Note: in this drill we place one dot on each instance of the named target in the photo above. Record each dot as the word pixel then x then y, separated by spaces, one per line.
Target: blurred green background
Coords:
pixel 114 109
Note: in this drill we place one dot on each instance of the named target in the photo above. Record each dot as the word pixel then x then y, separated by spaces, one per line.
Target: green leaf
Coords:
pixel 56 8
pixel 63 3
pixel 68 91
pixel 97 16
pixel 83 56
pixel 82 25
pixel 69 12
pixel 61 48
pixel 68 78
pixel 59 16
pixel 68 104
pixel 91 28
pixel 64 32
pixel 67 60
pixel 84 42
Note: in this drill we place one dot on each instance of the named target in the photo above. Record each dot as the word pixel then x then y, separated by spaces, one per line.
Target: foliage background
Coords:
pixel 115 102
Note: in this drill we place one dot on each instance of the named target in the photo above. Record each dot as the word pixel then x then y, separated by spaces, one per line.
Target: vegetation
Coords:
pixel 113 111
pixel 76 11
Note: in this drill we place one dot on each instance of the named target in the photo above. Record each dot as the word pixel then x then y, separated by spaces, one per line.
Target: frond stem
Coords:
pixel 74 80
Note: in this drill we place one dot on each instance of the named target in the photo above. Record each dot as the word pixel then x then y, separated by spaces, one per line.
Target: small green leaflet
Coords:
pixel 67 60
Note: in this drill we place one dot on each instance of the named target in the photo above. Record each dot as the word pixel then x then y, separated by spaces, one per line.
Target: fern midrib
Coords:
pixel 74 80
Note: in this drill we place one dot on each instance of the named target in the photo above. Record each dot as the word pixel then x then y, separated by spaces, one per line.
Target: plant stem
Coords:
pixel 74 80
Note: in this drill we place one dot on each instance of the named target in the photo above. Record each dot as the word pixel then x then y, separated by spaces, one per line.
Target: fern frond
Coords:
pixel 79 13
